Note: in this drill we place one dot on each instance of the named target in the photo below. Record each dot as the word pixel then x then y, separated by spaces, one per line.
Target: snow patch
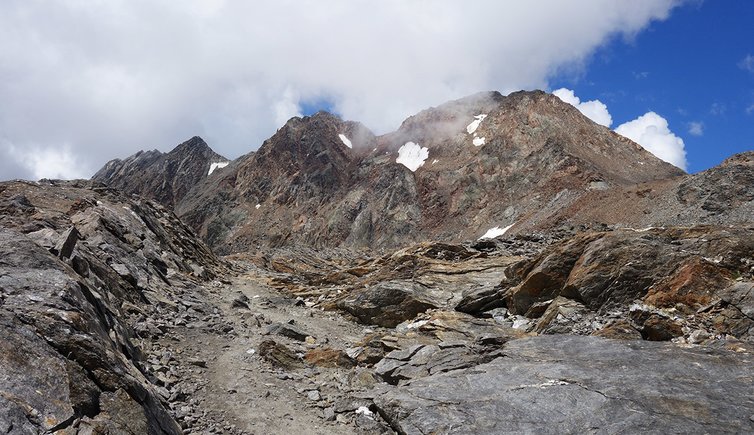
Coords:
pixel 496 232
pixel 420 323
pixel 412 155
pixel 478 141
pixel 257 206
pixel 471 128
pixel 434 161
pixel 364 410
pixel 520 322
pixel 217 165
pixel 345 140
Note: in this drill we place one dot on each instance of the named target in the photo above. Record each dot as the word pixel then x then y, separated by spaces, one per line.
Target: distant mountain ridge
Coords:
pixel 526 161
pixel 164 177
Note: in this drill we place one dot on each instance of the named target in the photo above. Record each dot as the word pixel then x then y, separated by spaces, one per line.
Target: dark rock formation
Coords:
pixel 387 304
pixel 163 177
pixel 669 282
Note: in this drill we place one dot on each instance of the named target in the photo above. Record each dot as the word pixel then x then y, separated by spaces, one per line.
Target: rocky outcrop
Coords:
pixel 82 266
pixel 387 304
pixel 668 283
pixel 163 177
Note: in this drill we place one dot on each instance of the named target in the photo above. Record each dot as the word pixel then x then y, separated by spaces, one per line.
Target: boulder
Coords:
pixel 387 304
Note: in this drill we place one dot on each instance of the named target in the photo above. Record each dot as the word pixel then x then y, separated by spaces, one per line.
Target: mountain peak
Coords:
pixel 165 177
pixel 194 145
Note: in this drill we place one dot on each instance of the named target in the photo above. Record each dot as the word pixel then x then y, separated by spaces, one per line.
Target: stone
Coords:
pixel 660 328
pixel 328 414
pixel 279 355
pixel 386 304
pixel 692 284
pixel 560 316
pixel 240 301
pixel 619 330
pixel 481 300
pixel 329 357
pixel 67 242
pixel 287 330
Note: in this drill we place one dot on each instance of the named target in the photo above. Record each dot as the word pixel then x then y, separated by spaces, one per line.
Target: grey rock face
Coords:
pixel 569 384
pixel 65 354
pixel 73 293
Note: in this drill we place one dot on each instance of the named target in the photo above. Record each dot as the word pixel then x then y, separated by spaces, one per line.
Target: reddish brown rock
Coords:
pixel 693 284
pixel 328 357
pixel 619 330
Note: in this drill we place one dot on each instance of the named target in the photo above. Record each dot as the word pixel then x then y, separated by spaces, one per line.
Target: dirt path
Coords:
pixel 230 388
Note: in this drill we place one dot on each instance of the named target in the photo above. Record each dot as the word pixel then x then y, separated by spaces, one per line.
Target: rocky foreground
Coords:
pixel 117 319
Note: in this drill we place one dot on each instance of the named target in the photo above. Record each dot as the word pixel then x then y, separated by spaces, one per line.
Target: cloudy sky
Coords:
pixel 84 81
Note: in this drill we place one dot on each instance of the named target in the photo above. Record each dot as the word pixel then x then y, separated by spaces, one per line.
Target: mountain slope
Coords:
pixel 722 195
pixel 471 164
pixel 164 177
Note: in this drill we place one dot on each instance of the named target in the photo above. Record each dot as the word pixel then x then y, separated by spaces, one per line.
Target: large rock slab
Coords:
pixel 617 267
pixel 571 384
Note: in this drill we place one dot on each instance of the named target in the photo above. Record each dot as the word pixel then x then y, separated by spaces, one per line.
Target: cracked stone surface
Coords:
pixel 571 384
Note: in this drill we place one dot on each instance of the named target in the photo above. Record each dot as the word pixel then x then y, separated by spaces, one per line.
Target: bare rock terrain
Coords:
pixel 320 286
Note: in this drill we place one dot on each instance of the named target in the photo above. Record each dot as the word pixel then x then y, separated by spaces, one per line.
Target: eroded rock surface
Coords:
pixel 570 384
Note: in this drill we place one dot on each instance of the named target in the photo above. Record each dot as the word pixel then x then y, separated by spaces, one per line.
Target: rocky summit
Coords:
pixel 498 264
pixel 167 177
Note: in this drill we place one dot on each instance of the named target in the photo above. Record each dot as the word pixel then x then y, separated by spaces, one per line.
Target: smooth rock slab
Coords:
pixel 572 384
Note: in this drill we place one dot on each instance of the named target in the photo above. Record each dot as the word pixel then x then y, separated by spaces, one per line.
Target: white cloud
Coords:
pixel 595 110
pixel 651 132
pixel 718 109
pixel 747 63
pixel 696 128
pixel 113 77
pixel 39 162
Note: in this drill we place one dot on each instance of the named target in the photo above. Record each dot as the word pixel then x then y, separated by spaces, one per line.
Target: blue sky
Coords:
pixel 690 68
